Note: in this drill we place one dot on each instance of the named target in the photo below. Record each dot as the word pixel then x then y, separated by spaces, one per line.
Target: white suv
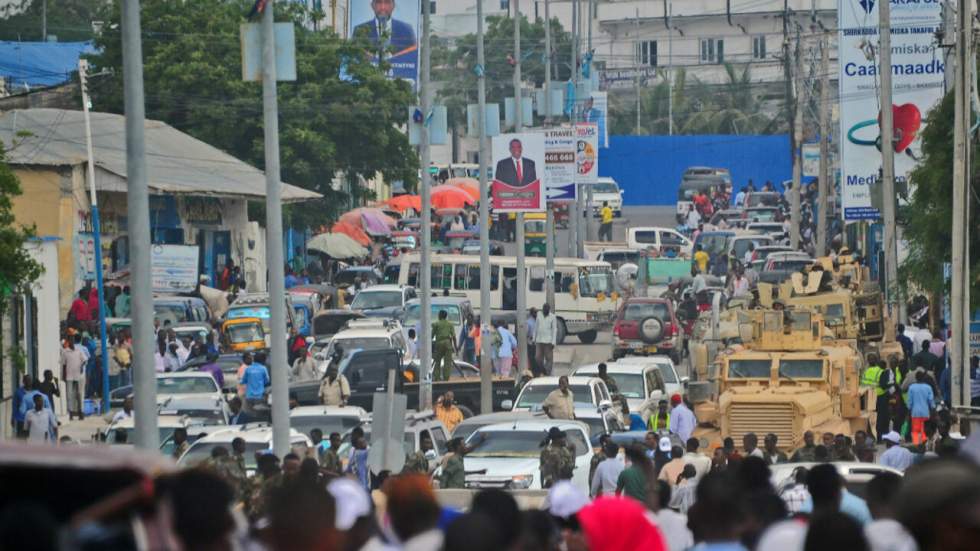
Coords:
pixel 366 334
pixel 257 436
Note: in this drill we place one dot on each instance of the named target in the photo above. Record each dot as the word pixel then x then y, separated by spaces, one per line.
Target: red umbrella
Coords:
pixel 404 202
pixel 450 197
pixel 352 231
pixel 469 185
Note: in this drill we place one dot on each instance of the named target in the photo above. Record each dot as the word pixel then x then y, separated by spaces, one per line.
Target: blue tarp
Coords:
pixel 649 168
pixel 39 64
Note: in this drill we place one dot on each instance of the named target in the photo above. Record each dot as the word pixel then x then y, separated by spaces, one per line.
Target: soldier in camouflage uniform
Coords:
pixel 557 460
pixel 267 471
pixel 417 462
pixel 228 469
pixel 329 460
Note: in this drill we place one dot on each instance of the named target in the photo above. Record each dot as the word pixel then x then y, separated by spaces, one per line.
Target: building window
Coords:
pixel 759 47
pixel 712 50
pixel 432 8
pixel 505 5
pixel 646 53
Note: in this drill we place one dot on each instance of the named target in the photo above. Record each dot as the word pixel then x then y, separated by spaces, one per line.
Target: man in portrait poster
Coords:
pixel 516 185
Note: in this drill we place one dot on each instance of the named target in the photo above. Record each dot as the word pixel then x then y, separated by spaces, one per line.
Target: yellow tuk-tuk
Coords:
pixel 243 334
pixel 535 234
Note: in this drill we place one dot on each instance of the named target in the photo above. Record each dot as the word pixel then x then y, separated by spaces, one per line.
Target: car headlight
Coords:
pixel 521 482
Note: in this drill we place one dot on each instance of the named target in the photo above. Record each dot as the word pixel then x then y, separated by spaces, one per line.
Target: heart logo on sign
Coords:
pixel 906 120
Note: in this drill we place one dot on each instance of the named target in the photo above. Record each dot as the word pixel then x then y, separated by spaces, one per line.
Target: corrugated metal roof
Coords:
pixel 176 162
pixel 35 64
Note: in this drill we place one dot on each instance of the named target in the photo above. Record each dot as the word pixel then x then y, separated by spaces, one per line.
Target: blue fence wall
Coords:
pixel 649 168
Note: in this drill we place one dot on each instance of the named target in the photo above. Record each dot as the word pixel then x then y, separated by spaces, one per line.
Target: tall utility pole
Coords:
pixel 521 271
pixel 486 365
pixel 425 275
pixel 823 182
pixel 960 284
pixel 549 257
pixel 273 241
pixel 798 100
pixel 638 65
pixel 96 232
pixel 670 71
pixel 575 209
pixel 888 158
pixel 138 216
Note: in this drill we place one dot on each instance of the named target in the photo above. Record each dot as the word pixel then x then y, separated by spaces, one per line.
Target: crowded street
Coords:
pixel 536 275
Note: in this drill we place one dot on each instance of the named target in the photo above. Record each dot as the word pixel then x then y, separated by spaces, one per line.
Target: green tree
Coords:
pixel 69 20
pixel 454 63
pixel 18 269
pixel 699 108
pixel 327 125
pixel 929 214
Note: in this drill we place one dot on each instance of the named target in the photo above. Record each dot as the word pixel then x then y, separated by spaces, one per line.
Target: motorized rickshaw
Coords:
pixel 535 234
pixel 243 334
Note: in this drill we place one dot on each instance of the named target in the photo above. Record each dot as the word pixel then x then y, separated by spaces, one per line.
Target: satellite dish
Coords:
pixel 626 276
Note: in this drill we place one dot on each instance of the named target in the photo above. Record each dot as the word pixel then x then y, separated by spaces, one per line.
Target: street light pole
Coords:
pixel 486 365
pixel 549 259
pixel 519 233
pixel 425 275
pixel 273 232
pixel 138 223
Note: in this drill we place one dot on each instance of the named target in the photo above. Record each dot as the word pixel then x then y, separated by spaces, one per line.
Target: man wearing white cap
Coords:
pixel 354 516
pixel 895 456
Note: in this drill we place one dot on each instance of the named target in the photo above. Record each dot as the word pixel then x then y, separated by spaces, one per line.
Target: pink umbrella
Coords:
pixel 450 197
pixel 372 220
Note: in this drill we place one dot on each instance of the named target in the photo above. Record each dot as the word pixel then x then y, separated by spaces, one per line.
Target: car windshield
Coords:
pixel 245 332
pixel 670 377
pixel 605 187
pixel 630 385
pixel 748 369
pixel 533 395
pixel 174 313
pixel 762 199
pixel 506 444
pixel 326 423
pixel 347 277
pixel 186 385
pixel 761 215
pixel 594 280
pixel 364 343
pixel 191 333
pixel 790 265
pixel 452 311
pixel 111 436
pixel 713 243
pixel 595 425
pixel 200 416
pixel 637 311
pixel 645 236
pixel 801 369
pixel 370 300
pixel 833 314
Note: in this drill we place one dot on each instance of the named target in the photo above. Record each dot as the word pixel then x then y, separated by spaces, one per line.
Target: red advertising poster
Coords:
pixel 519 162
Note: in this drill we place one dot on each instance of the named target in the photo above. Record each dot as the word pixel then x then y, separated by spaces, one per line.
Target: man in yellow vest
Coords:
pixel 660 420
pixel 872 377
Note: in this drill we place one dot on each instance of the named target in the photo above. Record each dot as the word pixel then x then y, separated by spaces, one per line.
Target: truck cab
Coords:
pixel 789 377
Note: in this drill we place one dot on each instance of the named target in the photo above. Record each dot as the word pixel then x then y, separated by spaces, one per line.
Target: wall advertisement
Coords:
pixel 571 156
pixel 174 268
pixel 917 85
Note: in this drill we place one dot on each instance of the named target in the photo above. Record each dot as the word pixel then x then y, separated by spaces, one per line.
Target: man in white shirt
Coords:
pixel 895 456
pixel 545 338
pixel 73 358
pixel 673 525
pixel 701 462
pixel 682 420
pixel 693 218
pixel 607 472
pixel 126 412
pixel 40 423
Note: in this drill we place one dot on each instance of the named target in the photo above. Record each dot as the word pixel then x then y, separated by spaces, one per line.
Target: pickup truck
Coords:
pixel 367 373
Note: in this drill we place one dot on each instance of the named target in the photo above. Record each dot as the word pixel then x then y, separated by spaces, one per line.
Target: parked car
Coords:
pixel 641 384
pixel 383 301
pixel 587 392
pixel 367 373
pixel 508 454
pixel 647 326
pixel 257 436
pixel 458 310
pixel 327 418
pixel 657 238
pixel 604 191
pixel 368 334
pixel 176 309
pixel 673 383
pixel 199 410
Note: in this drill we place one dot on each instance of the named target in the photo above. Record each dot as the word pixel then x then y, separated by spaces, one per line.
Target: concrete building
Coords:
pixel 199 194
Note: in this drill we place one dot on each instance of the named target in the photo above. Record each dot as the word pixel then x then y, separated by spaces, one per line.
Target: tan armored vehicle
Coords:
pixel 791 376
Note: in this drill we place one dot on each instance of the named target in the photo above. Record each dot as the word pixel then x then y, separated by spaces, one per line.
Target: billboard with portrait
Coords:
pixel 519 167
pixel 595 109
pixel 392 26
pixel 917 85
